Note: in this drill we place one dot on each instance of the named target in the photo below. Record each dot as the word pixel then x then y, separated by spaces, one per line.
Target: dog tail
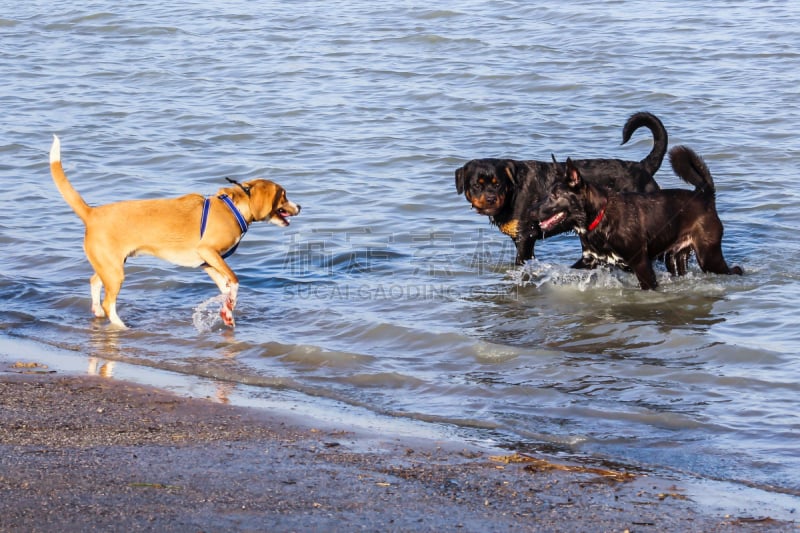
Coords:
pixel 691 168
pixel 653 160
pixel 66 189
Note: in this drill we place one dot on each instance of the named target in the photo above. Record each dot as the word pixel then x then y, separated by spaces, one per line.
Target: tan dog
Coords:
pixel 170 228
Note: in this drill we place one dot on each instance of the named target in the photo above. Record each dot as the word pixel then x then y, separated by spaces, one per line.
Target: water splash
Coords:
pixel 206 315
pixel 536 274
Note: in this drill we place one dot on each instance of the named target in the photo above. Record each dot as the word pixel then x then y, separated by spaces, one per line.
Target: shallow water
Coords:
pixel 388 293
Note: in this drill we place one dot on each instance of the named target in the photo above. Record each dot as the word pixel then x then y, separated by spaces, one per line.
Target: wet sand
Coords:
pixel 90 453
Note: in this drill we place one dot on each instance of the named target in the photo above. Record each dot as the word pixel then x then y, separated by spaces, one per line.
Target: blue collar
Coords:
pixel 236 213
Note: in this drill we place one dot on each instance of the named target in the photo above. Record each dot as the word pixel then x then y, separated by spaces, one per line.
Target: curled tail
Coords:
pixel 691 168
pixel 66 189
pixel 653 160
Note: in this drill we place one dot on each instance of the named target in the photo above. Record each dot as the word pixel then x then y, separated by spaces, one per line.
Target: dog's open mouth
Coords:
pixel 283 215
pixel 487 211
pixel 553 221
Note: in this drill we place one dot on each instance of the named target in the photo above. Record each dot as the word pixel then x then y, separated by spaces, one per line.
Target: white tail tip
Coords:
pixel 55 150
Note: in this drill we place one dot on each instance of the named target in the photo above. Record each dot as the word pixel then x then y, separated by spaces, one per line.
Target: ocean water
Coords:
pixel 388 295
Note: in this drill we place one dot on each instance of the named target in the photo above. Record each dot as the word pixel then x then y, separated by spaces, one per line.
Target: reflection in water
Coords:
pixel 104 350
pixel 229 352
pixel 100 367
pixel 109 346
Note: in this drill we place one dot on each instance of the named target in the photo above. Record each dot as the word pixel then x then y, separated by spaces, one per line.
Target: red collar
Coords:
pixel 598 219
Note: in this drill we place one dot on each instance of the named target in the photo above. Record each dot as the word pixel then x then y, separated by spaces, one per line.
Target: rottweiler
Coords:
pixel 506 189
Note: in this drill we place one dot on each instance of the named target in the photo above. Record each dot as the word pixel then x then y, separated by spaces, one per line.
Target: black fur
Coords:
pixel 505 189
pixel 632 229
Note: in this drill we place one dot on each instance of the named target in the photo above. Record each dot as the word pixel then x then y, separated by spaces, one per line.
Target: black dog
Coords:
pixel 505 189
pixel 632 229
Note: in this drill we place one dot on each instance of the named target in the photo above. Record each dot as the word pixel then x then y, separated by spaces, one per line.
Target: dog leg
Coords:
pixel 227 308
pixel 96 285
pixel 682 261
pixel 711 260
pixel 524 249
pixel 109 273
pixel 643 269
pixel 228 288
pixel 669 262
pixel 586 262
pixel 113 283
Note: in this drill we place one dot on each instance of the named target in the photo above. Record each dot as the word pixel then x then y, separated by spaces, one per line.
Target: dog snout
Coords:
pixel 291 208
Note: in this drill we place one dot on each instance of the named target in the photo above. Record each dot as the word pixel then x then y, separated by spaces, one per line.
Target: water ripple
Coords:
pixel 388 292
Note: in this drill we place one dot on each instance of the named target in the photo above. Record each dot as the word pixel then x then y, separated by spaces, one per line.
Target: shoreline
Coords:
pixel 83 451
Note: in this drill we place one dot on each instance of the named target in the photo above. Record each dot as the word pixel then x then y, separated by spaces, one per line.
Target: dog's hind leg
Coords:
pixel 712 260
pixel 109 273
pixel 669 262
pixel 682 261
pixel 113 283
pixel 677 263
pixel 96 285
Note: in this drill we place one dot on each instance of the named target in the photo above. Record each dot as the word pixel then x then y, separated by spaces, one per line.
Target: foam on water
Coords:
pixel 536 273
pixel 542 275
pixel 206 315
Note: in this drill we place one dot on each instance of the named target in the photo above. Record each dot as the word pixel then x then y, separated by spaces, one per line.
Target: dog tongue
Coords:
pixel 552 221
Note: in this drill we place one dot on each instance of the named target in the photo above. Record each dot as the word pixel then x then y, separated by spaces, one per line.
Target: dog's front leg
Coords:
pixel 586 262
pixel 524 243
pixel 227 282
pixel 643 268
pixel 227 288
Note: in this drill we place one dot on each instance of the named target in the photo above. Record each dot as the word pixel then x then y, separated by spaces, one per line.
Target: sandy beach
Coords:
pixel 90 453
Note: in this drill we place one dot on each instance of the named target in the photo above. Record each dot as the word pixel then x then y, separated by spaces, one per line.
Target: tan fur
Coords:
pixel 170 229
pixel 510 228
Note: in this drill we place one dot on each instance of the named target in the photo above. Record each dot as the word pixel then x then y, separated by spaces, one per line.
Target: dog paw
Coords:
pixel 98 312
pixel 226 312
pixel 227 318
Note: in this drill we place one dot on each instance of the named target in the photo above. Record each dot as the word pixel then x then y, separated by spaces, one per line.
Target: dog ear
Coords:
pixel 574 179
pixel 511 172
pixel 263 198
pixel 460 180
